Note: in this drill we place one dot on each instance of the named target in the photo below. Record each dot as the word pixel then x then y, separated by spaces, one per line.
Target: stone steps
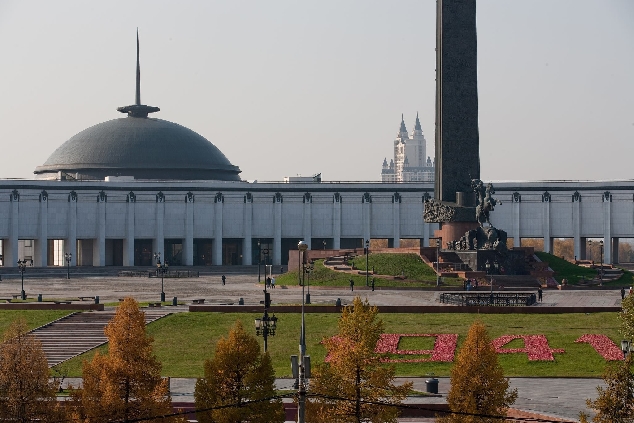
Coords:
pixel 77 333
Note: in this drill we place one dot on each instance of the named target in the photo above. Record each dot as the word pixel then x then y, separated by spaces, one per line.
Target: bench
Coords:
pixel 62 302
pixel 199 301
pixel 154 304
pixel 86 298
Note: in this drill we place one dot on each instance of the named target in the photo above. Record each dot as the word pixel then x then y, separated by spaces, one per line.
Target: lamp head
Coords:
pixel 302 246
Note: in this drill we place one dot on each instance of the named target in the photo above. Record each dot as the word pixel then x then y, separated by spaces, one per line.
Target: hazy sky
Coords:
pixel 301 87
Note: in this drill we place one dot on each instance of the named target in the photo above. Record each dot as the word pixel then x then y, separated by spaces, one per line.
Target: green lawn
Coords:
pixel 566 270
pixel 184 340
pixel 33 318
pixel 419 275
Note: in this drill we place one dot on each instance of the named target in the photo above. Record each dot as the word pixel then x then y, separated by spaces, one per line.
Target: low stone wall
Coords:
pixel 402 309
pixel 51 306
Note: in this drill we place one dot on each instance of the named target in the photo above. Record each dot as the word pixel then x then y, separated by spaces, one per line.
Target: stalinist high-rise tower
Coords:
pixel 410 162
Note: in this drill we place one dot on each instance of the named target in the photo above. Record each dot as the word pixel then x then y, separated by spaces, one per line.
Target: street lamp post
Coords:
pixel 324 242
pixel 22 268
pixel 162 269
pixel 487 265
pixel 437 261
pixel 266 325
pixel 626 347
pixel 367 260
pixel 601 268
pixel 68 257
pixel 309 270
pixel 259 258
pixel 301 409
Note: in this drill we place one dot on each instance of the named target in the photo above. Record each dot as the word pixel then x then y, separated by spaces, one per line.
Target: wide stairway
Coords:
pixel 77 333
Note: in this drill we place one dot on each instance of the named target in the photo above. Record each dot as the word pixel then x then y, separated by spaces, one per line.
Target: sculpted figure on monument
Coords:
pixel 486 202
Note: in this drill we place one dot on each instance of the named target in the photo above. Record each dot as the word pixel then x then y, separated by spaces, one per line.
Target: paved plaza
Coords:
pixel 557 397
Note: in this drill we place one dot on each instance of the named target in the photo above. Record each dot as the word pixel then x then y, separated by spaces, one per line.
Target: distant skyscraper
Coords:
pixel 410 162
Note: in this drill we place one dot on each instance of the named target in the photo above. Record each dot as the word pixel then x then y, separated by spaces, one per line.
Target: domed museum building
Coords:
pixel 130 190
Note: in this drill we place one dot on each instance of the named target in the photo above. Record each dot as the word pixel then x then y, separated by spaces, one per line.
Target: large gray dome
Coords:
pixel 142 147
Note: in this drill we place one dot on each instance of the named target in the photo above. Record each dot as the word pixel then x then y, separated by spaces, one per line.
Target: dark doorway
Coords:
pixel 289 244
pixel 143 252
pixel 265 251
pixel 321 243
pixel 232 251
pixel 114 252
pixel 350 243
pixel 203 252
pixel 173 252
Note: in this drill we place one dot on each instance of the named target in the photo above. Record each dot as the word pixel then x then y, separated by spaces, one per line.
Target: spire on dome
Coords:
pixel 138 109
pixel 417 126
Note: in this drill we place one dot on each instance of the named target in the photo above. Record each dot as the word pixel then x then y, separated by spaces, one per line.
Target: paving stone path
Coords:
pixel 77 333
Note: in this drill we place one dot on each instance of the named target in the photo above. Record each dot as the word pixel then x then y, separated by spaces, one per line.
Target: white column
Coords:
pixel 71 245
pixel 11 254
pixel 307 223
pixel 217 247
pixel 277 229
pixel 576 222
pixel 366 215
pixel 188 245
pixel 517 199
pixel 336 221
pixel 128 241
pixel 546 224
pixel 158 244
pixel 40 258
pixel 607 227
pixel 247 258
pixel 396 219
pixel 99 244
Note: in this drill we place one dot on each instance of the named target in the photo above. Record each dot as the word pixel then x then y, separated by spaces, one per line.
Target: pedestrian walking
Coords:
pixel 539 294
pixel 622 292
pixel 272 282
pixel 267 282
pixel 351 284
pixel 224 279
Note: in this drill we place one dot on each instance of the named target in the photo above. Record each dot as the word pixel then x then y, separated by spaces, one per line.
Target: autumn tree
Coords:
pixel 615 403
pixel 126 383
pixel 479 391
pixel 355 384
pixel 26 392
pixel 239 383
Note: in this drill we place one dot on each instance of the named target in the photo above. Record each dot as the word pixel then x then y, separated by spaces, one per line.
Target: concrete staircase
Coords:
pixel 77 333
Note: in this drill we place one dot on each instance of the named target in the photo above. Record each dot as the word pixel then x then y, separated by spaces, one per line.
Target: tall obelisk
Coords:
pixel 457 136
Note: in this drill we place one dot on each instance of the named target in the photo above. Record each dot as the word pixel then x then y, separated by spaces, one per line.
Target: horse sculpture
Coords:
pixel 486 203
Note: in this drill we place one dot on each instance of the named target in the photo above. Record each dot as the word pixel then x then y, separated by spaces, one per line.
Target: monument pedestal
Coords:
pixel 453 231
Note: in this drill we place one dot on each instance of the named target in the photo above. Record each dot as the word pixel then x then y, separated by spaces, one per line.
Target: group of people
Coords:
pixel 270 282
pixel 470 284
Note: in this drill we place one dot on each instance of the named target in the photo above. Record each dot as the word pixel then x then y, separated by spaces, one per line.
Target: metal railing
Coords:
pixel 494 299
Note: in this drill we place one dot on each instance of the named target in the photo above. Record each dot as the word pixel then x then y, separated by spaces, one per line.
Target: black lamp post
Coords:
pixel 68 257
pixel 22 268
pixel 259 258
pixel 266 325
pixel 626 347
pixel 302 363
pixel 309 270
pixel 162 269
pixel 367 261
pixel 487 265
pixel 437 261
pixel 601 268
pixel 324 242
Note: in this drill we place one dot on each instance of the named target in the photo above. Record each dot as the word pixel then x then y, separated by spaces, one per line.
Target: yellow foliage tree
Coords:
pixel 126 384
pixel 26 392
pixel 239 383
pixel 479 391
pixel 615 403
pixel 355 385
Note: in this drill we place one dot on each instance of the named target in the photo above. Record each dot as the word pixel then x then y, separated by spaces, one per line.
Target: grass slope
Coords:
pixel 566 270
pixel 183 341
pixel 33 318
pixel 418 273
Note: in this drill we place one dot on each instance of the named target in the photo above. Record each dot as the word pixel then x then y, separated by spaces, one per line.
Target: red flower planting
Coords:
pixel 444 348
pixel 603 345
pixel 536 346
